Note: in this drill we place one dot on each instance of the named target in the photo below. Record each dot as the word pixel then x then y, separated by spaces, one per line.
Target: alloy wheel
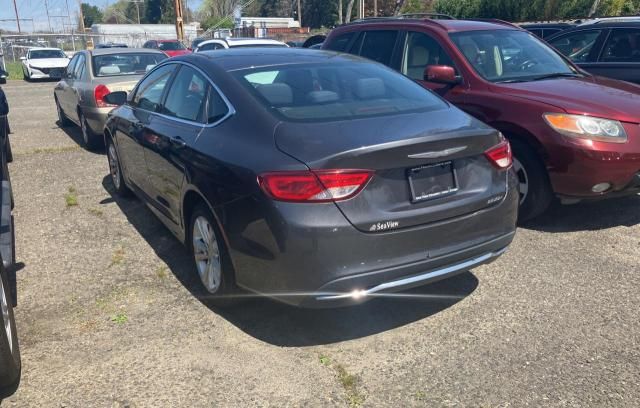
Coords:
pixel 207 254
pixel 114 166
pixel 85 130
pixel 4 306
pixel 523 178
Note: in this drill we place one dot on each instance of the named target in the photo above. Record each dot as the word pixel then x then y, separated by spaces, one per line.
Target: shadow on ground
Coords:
pixel 75 134
pixel 283 325
pixel 589 216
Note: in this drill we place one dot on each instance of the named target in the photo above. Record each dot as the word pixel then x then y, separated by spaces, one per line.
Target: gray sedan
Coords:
pixel 91 75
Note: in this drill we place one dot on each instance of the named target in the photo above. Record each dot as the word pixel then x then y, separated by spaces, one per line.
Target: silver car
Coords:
pixel 90 75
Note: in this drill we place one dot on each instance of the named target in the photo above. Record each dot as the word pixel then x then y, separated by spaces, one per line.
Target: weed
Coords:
pixel 117 258
pixel 61 149
pixel 325 360
pixel 161 272
pixel 350 384
pixel 420 395
pixel 119 318
pixel 96 211
pixel 71 198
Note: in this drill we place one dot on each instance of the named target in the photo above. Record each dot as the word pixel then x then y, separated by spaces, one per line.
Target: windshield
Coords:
pixel 326 92
pixel 510 56
pixel 171 46
pixel 125 64
pixel 40 54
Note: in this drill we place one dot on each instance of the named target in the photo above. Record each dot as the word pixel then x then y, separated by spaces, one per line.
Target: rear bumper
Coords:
pixel 304 258
pixel 96 118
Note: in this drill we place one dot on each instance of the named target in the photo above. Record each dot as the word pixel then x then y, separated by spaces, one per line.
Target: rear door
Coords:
pixel 63 88
pixel 620 56
pixel 171 137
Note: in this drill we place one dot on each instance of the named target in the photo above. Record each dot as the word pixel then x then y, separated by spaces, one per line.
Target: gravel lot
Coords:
pixel 109 313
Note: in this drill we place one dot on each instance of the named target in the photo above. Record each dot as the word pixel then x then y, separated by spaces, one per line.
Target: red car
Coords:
pixel 172 48
pixel 574 135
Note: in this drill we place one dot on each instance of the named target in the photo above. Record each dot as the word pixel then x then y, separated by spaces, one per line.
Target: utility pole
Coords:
pixel 46 6
pixel 340 20
pixel 360 9
pixel 137 3
pixel 179 20
pixel 68 13
pixel 15 8
pixel 375 8
pixel 81 17
pixel 299 14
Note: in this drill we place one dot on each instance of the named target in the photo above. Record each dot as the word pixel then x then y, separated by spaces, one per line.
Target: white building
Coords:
pixel 134 35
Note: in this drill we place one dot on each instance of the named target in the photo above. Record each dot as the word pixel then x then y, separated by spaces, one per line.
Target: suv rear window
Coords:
pixel 336 91
pixel 379 45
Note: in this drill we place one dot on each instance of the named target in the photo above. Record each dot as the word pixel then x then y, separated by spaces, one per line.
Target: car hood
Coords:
pixel 49 62
pixel 596 96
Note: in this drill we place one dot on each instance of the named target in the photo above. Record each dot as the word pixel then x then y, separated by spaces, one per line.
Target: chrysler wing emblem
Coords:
pixel 435 155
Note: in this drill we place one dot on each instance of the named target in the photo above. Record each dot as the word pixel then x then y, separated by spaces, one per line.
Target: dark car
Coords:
pixel 309 176
pixel 10 365
pixel 172 48
pixel 606 48
pixel 546 30
pixel 111 45
pixel 565 126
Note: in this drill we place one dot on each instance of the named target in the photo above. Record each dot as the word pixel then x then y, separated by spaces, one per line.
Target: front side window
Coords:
pixel 72 65
pixel 420 51
pixel 336 91
pixel 623 45
pixel 577 46
pixel 125 64
pixel 509 55
pixel 41 54
pixel 79 68
pixel 378 45
pixel 149 92
pixel 187 95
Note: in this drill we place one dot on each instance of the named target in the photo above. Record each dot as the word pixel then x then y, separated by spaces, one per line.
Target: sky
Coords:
pixel 35 9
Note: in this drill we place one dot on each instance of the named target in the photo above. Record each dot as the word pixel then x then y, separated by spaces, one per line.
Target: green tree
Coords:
pixel 91 14
pixel 159 12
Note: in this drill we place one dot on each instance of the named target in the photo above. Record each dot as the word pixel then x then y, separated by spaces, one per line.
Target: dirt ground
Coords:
pixel 109 315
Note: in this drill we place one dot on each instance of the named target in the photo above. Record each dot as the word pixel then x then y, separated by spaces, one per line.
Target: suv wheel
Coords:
pixel 10 364
pixel 535 189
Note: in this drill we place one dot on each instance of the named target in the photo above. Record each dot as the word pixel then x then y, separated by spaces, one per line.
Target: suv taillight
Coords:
pixel 99 93
pixel 314 186
pixel 500 155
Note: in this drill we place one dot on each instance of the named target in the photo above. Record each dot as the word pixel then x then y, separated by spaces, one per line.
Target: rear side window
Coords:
pixel 577 46
pixel 149 92
pixel 378 45
pixel 216 106
pixel 340 42
pixel 210 47
pixel 336 91
pixel 623 45
pixel 187 95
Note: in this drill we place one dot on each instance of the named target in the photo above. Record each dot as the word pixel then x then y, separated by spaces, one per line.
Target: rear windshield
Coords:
pixel 125 64
pixel 39 54
pixel 171 46
pixel 336 91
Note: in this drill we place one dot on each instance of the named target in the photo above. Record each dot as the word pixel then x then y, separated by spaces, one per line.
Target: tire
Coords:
pixel 10 364
pixel 215 272
pixel 115 170
pixel 535 190
pixel 89 138
pixel 63 121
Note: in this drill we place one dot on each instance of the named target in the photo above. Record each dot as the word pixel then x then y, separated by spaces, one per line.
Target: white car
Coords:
pixel 44 63
pixel 225 43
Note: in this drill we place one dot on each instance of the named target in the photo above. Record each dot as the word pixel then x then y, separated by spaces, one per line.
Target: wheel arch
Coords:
pixel 190 199
pixel 513 131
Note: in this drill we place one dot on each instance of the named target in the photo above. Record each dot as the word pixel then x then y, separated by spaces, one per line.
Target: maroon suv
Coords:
pixel 573 135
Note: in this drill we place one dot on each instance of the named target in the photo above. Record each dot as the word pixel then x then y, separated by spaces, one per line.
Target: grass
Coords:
pixel 161 272
pixel 39 150
pixel 14 69
pixel 96 211
pixel 118 257
pixel 119 318
pixel 71 198
pixel 325 361
pixel 348 381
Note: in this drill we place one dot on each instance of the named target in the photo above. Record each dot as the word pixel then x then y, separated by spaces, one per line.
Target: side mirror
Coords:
pixel 441 74
pixel 116 98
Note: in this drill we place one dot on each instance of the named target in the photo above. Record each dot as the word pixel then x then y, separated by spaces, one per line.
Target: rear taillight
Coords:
pixel 500 155
pixel 314 186
pixel 99 93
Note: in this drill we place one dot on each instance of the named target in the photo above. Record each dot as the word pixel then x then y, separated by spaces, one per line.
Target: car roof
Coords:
pixel 450 26
pixel 612 21
pixel 594 26
pixel 110 51
pixel 44 49
pixel 242 41
pixel 546 25
pixel 242 58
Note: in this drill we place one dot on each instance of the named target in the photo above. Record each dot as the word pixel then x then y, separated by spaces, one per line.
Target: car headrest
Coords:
pixel 322 96
pixel 109 70
pixel 276 94
pixel 369 88
pixel 419 56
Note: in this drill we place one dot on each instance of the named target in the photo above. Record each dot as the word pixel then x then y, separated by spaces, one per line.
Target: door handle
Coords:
pixel 178 142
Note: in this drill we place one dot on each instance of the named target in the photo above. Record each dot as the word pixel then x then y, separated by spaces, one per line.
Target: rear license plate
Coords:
pixel 433 181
